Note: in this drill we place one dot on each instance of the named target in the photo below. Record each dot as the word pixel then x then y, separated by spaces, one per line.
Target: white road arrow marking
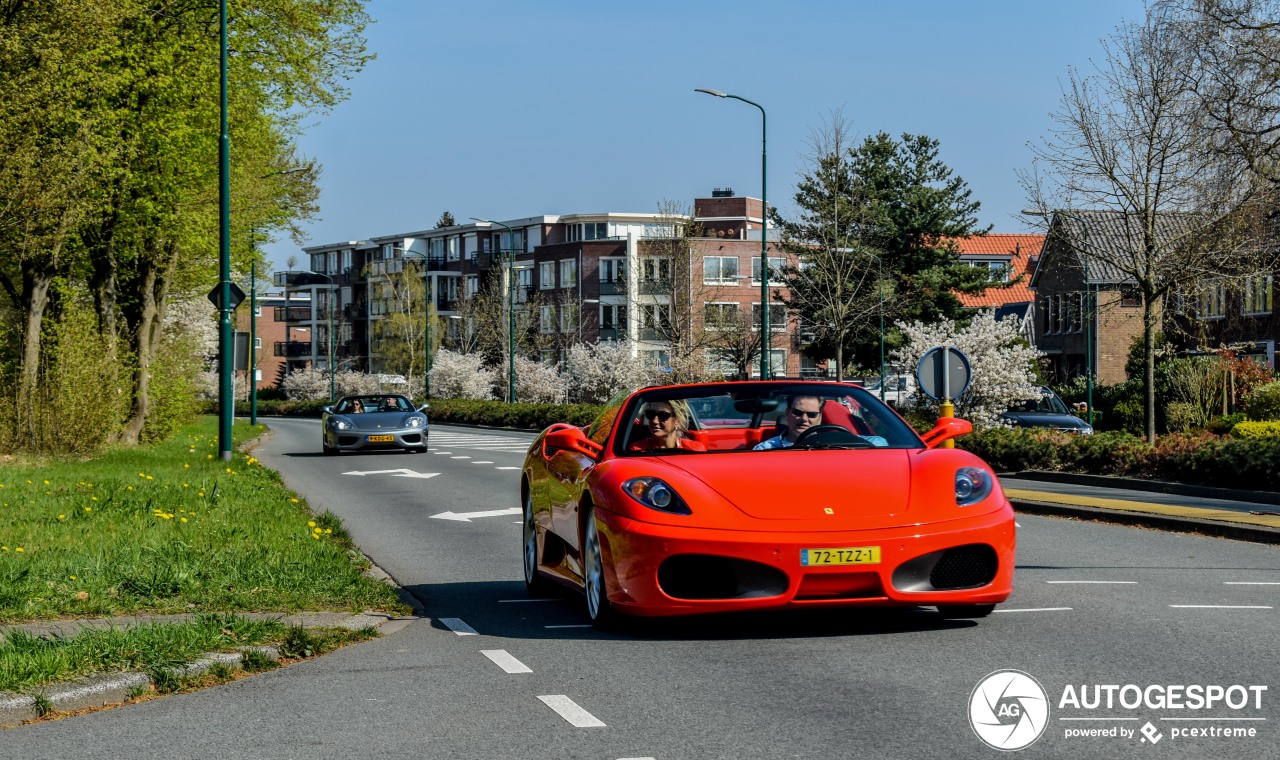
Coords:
pixel 467 516
pixel 400 473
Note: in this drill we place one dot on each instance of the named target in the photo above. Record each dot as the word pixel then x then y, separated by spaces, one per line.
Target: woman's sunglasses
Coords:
pixel 658 415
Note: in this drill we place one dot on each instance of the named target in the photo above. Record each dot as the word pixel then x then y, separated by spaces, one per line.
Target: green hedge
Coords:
pixel 1249 429
pixel 463 411
pixel 1202 459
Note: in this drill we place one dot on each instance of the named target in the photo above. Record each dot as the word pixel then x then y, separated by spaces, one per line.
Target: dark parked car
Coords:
pixel 1048 411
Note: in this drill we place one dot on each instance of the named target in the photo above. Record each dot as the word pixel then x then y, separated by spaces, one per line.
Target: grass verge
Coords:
pixel 169 528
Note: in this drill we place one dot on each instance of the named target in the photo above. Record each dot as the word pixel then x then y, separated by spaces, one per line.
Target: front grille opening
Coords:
pixel 700 576
pixel 411 438
pixel 964 567
pixel 347 440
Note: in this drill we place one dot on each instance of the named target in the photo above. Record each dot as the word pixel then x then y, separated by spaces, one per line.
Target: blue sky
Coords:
pixel 504 109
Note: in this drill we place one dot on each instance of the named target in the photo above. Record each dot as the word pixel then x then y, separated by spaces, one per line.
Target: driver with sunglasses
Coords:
pixel 802 413
pixel 667 422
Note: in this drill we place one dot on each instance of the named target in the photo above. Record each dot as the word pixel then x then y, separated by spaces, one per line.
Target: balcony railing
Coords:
pixel 293 348
pixel 613 333
pixel 614 288
pixel 292 313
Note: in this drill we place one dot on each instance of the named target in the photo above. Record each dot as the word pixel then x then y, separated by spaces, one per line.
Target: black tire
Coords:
pixel 327 449
pixel 537 586
pixel 600 611
pixel 965 611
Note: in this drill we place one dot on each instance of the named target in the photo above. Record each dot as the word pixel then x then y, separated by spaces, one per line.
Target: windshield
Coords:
pixel 1046 404
pixel 366 404
pixel 758 417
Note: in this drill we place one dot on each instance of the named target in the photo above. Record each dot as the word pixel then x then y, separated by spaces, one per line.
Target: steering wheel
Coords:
pixel 830 435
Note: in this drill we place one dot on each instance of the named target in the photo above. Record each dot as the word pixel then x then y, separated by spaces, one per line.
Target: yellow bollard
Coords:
pixel 947 409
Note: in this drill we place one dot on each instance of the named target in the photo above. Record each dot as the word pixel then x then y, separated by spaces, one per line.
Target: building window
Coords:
pixel 547 357
pixel 613 316
pixel 473 285
pixel 548 321
pixel 451 289
pixel 1210 302
pixel 655 316
pixel 568 318
pixel 722 316
pixel 546 275
pixel 777 317
pixel 655 269
pixel 777 362
pixel 720 270
pixel 611 270
pixel 257 344
pixel 568 273
pixel 1130 297
pixel 1257 295
pixel 658 359
pixel 451 247
pixel 775 270
pixel 257 311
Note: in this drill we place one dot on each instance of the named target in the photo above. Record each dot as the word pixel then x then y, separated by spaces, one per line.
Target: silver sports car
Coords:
pixel 364 423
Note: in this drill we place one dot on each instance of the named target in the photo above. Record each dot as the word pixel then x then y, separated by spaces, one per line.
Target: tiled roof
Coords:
pixel 1024 250
pixel 1110 238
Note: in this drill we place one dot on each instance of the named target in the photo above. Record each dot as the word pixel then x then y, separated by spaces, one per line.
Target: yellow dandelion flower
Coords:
pixel 186 466
pixel 88 509
pixel 311 524
pixel 200 494
pixel 228 469
pixel 150 478
pixel 313 535
pixel 46 482
pixel 72 577
pixel 62 517
pixel 20 549
pixel 92 498
pixel 328 530
pixel 142 474
pixel 4 548
pixel 182 519
pixel 209 456
pixel 28 482
pixel 295 501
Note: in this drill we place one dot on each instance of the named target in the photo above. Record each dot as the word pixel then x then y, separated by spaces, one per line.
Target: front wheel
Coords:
pixel 965 611
pixel 601 612
pixel 327 449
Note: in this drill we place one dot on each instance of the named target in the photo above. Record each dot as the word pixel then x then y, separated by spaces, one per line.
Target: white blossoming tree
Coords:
pixel 598 371
pixel 1000 359
pixel 538 383
pixel 455 375
pixel 306 385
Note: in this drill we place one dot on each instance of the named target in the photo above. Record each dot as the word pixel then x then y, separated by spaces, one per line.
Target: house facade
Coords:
pixel 1011 258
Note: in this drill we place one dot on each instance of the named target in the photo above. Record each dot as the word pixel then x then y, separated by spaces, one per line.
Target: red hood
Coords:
pixel 796 485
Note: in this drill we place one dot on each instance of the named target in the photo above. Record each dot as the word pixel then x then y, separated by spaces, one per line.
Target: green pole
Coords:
pixel 766 335
pixel 226 391
pixel 880 287
pixel 253 336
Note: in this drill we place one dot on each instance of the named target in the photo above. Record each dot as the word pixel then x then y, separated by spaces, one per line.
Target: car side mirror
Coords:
pixel 326 409
pixel 946 429
pixel 569 438
pixel 424 407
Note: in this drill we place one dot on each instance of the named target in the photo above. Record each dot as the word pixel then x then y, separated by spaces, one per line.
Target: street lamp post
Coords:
pixel 766 334
pixel 333 289
pixel 226 390
pixel 511 307
pixel 253 336
pixel 427 300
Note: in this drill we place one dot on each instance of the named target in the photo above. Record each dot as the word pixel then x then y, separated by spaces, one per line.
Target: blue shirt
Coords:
pixel 781 442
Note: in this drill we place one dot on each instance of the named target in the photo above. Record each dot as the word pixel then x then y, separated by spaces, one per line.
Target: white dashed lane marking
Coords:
pixel 506 468
pixel 503 659
pixel 1251 583
pixel 457 626
pixel 481 462
pixel 1220 606
pixel 569 710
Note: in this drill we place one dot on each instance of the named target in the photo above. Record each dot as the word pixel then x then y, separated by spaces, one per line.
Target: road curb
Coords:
pixel 1216 528
pixel 1150 486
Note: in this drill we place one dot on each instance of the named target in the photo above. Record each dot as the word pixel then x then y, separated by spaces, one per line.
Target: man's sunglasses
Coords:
pixel 803 413
pixel 655 414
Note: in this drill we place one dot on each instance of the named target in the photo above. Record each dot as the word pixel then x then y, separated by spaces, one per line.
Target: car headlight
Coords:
pixel 655 494
pixel 416 422
pixel 338 424
pixel 973 484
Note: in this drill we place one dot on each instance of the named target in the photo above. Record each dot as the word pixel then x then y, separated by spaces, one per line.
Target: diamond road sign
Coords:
pixel 215 296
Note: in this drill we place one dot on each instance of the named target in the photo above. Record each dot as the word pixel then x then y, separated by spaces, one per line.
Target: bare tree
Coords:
pixel 1132 142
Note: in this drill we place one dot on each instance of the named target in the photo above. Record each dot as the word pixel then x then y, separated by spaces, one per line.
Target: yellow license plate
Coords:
pixel 849 555
pixel 380 438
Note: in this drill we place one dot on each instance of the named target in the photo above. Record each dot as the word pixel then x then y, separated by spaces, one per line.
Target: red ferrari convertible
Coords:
pixel 738 496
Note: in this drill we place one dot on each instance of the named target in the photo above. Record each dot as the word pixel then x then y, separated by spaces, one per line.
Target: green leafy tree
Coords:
pixel 446 220
pixel 875 232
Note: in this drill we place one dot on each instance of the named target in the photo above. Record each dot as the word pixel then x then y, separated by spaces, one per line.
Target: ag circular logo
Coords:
pixel 1008 710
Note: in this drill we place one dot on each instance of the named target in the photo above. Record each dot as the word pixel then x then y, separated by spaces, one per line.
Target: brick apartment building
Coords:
pixel 576 263
pixel 269 328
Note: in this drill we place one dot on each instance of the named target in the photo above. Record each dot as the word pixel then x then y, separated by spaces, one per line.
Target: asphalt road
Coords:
pixel 491 674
